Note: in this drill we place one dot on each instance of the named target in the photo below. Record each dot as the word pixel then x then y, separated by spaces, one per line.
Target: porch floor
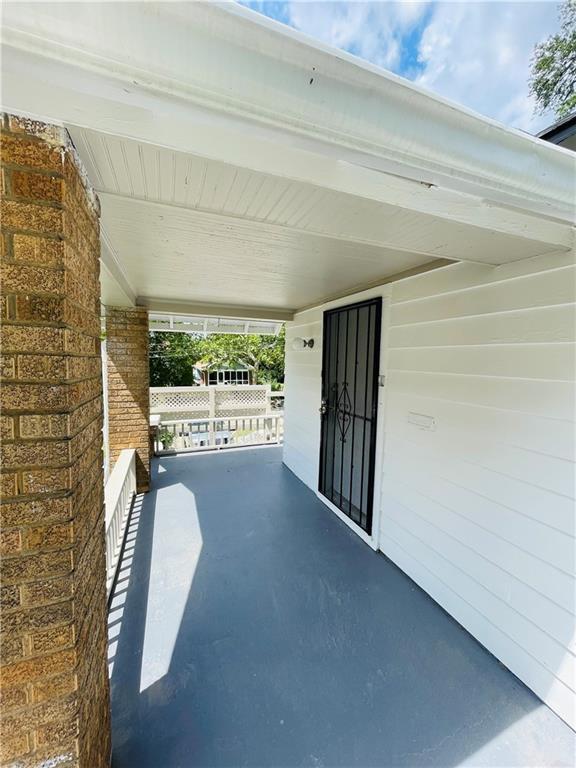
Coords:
pixel 250 627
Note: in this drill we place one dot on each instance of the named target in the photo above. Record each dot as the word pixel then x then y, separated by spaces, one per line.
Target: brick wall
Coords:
pixel 53 640
pixel 128 387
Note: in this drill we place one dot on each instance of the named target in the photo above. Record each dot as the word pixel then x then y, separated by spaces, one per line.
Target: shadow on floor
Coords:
pixel 250 627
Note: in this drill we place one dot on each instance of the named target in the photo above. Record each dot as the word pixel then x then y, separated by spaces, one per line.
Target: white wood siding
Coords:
pixel 480 510
pixel 303 392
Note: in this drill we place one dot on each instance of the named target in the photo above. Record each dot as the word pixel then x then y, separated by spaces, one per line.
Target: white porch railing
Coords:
pixel 119 493
pixel 177 435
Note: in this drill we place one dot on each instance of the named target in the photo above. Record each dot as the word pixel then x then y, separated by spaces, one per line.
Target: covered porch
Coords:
pixel 175 164
pixel 249 626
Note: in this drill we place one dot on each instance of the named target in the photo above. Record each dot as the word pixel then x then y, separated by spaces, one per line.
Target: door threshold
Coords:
pixel 360 532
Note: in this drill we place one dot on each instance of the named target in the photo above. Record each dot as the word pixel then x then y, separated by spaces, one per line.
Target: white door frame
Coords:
pixel 383 292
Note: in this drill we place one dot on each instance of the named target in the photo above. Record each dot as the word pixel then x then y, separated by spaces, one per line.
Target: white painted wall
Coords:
pixel 478 511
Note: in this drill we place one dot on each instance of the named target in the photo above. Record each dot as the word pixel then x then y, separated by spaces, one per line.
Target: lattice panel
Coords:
pixel 193 399
pixel 197 402
pixel 233 399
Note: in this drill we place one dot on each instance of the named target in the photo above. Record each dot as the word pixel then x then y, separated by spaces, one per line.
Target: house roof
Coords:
pixel 243 166
pixel 561 132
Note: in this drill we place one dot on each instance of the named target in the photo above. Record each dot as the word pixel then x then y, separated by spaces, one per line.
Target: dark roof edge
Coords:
pixel 559 130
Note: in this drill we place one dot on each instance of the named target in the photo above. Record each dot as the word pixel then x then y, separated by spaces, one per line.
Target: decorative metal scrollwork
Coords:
pixel 343 411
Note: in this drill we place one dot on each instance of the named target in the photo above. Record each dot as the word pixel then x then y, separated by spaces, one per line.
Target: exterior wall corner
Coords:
pixel 128 387
pixel 55 693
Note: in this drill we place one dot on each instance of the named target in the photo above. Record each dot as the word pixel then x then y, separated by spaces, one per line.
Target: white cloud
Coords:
pixel 371 30
pixel 474 53
pixel 478 54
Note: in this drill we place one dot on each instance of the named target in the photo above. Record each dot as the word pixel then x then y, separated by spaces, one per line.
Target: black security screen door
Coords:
pixel 351 353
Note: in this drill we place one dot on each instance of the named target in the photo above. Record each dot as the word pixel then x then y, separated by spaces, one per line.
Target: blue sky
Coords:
pixel 474 53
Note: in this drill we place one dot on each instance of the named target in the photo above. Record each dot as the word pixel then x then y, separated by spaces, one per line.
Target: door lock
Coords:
pixel 323 406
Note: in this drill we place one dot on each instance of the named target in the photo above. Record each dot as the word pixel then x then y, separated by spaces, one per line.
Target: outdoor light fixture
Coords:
pixel 300 343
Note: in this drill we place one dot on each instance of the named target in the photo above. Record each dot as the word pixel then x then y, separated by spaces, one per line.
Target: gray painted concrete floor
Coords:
pixel 250 627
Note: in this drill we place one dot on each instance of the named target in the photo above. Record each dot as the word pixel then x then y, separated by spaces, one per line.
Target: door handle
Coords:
pixel 323 406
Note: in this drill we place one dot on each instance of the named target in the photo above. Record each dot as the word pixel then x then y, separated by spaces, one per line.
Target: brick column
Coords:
pixel 53 654
pixel 129 387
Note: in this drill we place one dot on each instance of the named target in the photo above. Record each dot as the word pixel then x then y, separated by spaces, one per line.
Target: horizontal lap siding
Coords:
pixel 303 391
pixel 545 325
pixel 480 510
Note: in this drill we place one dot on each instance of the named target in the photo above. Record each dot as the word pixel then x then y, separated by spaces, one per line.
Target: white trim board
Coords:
pixel 382 292
pixel 119 69
pixel 370 540
pixel 230 60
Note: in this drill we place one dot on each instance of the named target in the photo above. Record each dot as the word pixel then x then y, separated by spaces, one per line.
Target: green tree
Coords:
pixel 272 361
pixel 174 355
pixel 553 78
pixel 263 356
pixel 172 358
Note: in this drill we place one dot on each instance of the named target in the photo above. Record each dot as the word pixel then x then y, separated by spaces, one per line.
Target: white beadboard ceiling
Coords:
pixel 190 229
pixel 179 253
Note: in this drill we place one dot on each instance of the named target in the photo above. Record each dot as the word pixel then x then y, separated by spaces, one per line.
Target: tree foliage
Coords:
pixel 553 78
pixel 174 355
pixel 172 359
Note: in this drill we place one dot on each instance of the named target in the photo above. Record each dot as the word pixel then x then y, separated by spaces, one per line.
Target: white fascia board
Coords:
pixel 115 271
pixel 111 293
pixel 225 83
pixel 57 92
pixel 168 307
pixel 178 323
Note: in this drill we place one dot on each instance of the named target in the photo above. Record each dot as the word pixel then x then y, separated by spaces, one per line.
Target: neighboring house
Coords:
pixel 228 376
pixel 213 376
pixel 562 133
pixel 422 257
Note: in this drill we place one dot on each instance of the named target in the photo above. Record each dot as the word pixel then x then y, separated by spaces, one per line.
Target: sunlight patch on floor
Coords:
pixel 176 548
pixel 523 736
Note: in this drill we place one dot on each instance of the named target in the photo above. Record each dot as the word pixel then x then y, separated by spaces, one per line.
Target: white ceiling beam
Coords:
pixel 235 62
pixel 111 294
pixel 160 123
pixel 189 324
pixel 231 311
pixel 114 268
pixel 444 239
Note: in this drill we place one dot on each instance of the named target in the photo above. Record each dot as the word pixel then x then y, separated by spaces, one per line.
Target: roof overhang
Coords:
pixel 209 324
pixel 218 84
pixel 559 130
pixel 242 66
pixel 563 132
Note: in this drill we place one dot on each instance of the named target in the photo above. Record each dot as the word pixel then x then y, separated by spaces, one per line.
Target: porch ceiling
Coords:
pixel 193 229
pixel 237 161
pixel 179 253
